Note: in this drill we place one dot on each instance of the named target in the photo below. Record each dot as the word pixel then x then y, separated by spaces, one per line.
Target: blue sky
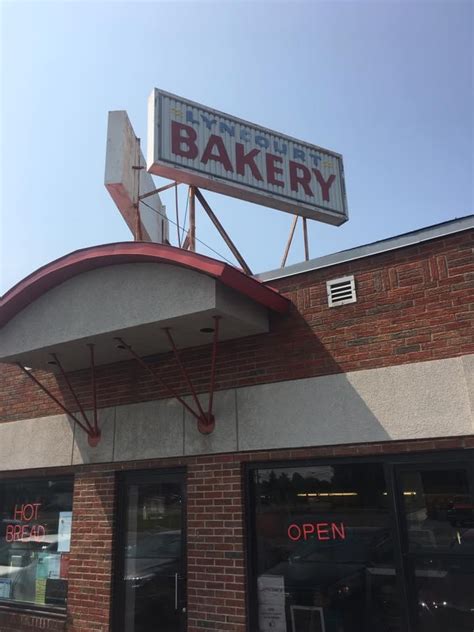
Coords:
pixel 387 84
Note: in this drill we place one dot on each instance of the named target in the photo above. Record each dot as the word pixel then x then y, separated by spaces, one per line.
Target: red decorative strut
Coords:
pixel 205 419
pixel 92 430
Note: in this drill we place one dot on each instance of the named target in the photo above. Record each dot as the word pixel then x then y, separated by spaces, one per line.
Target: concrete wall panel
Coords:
pixel 31 443
pixel 224 437
pixel 320 411
pixel 468 365
pixel 149 430
pixel 103 452
pixel 410 401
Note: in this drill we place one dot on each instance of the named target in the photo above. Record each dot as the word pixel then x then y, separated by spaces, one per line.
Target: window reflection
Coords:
pixel 439 510
pixel 35 537
pixel 153 554
pixel 439 516
pixel 325 551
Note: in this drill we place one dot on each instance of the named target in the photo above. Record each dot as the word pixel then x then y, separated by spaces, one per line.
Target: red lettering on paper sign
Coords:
pixel 320 530
pixel 20 532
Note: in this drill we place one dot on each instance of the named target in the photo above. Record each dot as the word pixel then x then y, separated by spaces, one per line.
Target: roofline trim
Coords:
pixel 379 247
pixel 79 261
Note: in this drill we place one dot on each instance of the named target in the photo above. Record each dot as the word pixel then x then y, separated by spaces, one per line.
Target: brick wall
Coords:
pixel 215 541
pixel 215 536
pixel 90 566
pixel 16 622
pixel 414 304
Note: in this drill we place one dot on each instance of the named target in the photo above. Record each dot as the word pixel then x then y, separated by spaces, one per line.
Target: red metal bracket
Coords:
pixel 92 430
pixel 205 419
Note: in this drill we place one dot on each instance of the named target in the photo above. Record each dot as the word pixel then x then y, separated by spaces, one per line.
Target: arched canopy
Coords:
pixel 95 294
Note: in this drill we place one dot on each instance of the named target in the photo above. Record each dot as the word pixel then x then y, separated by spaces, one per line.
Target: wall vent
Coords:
pixel 341 291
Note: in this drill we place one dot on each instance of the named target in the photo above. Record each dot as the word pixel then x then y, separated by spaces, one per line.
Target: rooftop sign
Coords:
pixel 196 145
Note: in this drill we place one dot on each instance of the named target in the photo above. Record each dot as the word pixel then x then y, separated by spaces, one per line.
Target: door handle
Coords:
pixel 176 591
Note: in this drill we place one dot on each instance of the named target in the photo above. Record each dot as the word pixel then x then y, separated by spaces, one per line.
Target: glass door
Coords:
pixel 437 520
pixel 151 586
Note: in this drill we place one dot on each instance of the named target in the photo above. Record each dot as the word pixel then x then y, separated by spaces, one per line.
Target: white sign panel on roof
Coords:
pixel 125 182
pixel 199 146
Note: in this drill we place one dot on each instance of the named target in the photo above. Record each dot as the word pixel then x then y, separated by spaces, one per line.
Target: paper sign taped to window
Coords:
pixel 5 588
pixel 64 531
pixel 271 590
pixel 271 618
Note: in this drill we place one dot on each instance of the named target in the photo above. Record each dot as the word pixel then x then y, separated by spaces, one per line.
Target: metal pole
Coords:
pixel 184 373
pixel 157 377
pixel 232 247
pixel 177 214
pixel 136 204
pixel 290 239
pixel 72 391
pixel 192 219
pixel 155 191
pixel 55 399
pixel 94 389
pixel 305 234
pixel 213 365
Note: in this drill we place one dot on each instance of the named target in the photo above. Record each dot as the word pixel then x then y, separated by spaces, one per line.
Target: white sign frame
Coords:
pixel 290 168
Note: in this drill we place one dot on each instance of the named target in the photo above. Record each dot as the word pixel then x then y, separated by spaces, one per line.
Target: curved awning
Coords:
pixel 131 289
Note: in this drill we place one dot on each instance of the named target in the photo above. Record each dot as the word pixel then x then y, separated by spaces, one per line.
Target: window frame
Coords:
pixel 28 607
pixel 390 464
pixel 123 479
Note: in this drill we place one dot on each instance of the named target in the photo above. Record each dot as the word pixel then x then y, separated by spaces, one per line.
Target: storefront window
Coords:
pixel 35 535
pixel 438 512
pixel 438 509
pixel 324 550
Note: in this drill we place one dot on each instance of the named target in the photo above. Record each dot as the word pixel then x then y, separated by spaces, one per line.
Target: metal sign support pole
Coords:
pixel 137 168
pixel 305 235
pixel 222 232
pixel 290 239
pixel 192 219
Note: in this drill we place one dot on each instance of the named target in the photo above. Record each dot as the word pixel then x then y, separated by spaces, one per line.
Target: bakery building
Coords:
pixel 185 447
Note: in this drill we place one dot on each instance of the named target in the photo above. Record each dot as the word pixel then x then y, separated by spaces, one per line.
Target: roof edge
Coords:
pixel 417 236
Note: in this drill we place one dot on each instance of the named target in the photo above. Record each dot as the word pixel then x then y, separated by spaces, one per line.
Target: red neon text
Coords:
pixel 25 513
pixel 319 530
pixel 17 532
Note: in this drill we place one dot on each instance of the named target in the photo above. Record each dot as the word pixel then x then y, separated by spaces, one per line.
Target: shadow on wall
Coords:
pixel 273 406
pixel 301 411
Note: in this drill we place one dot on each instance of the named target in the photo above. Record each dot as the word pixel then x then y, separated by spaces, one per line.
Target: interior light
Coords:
pixel 207 330
pixel 326 494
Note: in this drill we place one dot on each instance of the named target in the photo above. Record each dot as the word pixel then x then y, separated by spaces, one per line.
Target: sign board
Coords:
pixel 124 182
pixel 194 144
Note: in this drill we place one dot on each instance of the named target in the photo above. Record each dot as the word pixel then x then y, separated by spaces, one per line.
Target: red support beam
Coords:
pixel 156 376
pixel 55 399
pixel 94 436
pixel 206 420
pixel 184 373
pixel 210 415
pixel 71 390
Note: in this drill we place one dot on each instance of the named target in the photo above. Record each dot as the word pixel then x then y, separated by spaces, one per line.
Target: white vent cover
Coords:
pixel 341 291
